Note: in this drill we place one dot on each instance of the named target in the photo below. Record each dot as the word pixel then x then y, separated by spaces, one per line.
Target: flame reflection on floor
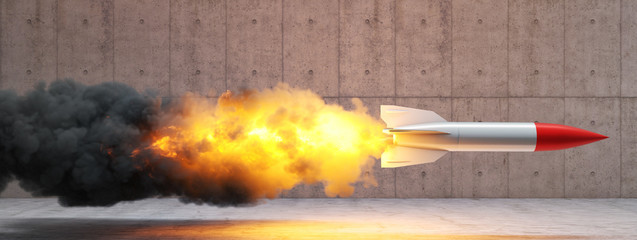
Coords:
pixel 202 229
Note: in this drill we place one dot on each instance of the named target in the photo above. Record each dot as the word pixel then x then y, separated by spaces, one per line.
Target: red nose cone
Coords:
pixel 556 137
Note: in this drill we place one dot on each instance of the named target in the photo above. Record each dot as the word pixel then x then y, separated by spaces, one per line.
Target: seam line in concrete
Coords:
pixel 170 43
pixel 508 92
pixel 395 80
pixel 395 54
pixel 621 3
pixel 564 90
pixel 57 36
pixel 113 39
pixel 338 78
pixel 1 41
pixel 451 158
pixel 282 42
pixel 451 43
pixel 226 48
pixel 395 98
pixel 485 97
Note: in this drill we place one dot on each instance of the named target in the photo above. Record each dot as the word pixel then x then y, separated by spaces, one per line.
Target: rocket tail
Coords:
pixel 397 156
pixel 396 116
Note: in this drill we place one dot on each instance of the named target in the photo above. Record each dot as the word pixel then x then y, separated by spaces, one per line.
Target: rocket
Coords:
pixel 421 136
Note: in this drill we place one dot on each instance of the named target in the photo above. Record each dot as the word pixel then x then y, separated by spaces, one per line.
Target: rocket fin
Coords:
pixel 397 156
pixel 396 116
pixel 413 131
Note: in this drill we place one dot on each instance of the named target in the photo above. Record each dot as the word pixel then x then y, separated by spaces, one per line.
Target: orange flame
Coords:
pixel 271 140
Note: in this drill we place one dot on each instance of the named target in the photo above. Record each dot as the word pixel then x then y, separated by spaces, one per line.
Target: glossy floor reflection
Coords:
pixel 189 229
pixel 326 219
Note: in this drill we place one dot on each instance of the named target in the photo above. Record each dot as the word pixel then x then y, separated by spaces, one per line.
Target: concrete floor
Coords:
pixel 326 219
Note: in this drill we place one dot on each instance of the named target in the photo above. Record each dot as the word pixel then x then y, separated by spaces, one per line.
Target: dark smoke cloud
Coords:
pixel 76 142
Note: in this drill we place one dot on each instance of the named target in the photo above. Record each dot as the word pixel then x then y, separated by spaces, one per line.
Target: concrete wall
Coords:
pixel 570 61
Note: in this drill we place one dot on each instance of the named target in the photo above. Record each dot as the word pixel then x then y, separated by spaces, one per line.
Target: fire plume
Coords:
pixel 265 142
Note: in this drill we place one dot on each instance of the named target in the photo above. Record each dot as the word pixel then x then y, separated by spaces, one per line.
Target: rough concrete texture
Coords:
pixel 195 58
pixel 559 61
pixel 592 66
pixel 310 45
pixel 479 52
pixel 27 43
pixel 85 40
pixel 255 42
pixel 423 48
pixel 628 165
pixel 367 48
pixel 142 44
pixel 536 48
pixel 434 219
pixel 628 57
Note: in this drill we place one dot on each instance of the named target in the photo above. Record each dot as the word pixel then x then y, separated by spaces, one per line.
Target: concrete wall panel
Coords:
pixel 536 48
pixel 142 44
pixel 85 40
pixel 423 48
pixel 479 55
pixel 367 48
pixel 310 45
pixel 28 43
pixel 198 47
pixel 536 174
pixel 385 177
pixel 629 48
pixel 592 64
pixel 628 150
pixel 254 44
pixel 592 171
pixel 475 55
pixel 479 174
pixel 432 179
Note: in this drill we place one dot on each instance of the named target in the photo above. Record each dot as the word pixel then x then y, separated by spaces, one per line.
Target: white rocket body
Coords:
pixel 421 136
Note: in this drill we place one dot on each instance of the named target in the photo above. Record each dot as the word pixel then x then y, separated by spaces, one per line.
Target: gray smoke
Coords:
pixel 76 142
